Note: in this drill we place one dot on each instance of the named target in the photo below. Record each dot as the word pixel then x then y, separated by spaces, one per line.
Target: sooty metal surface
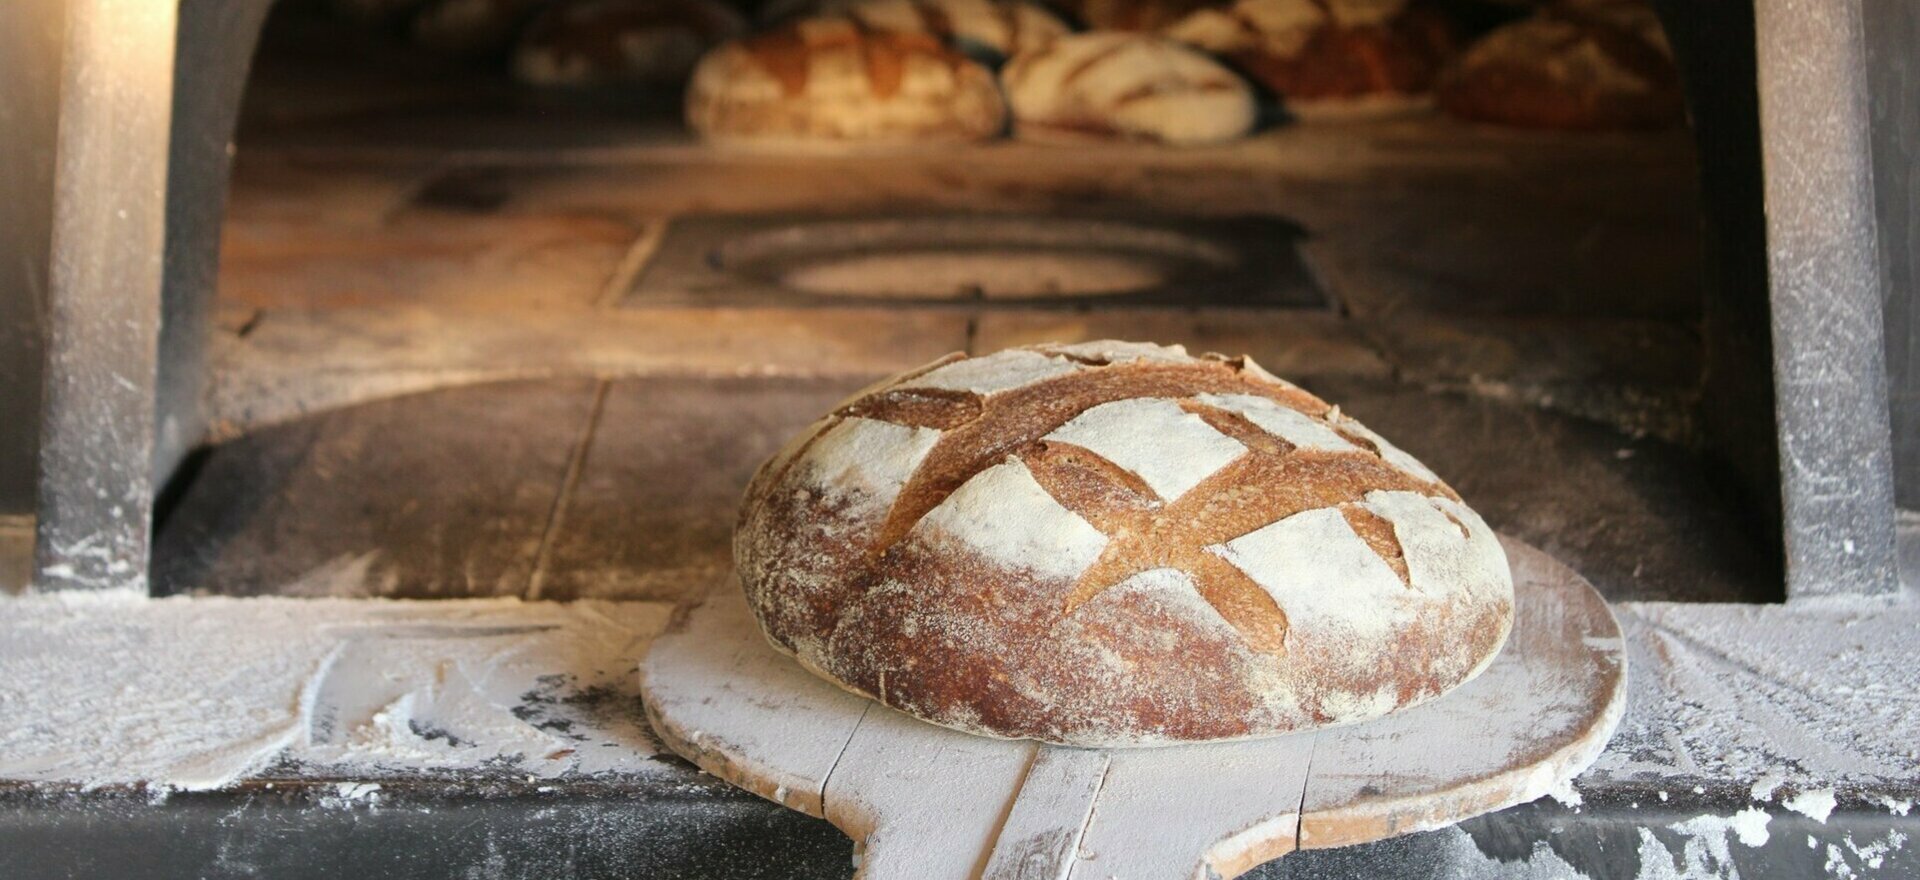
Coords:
pixel 978 260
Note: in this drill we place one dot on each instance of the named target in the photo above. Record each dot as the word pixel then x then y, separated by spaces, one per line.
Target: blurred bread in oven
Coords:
pixel 602 42
pixel 834 81
pixel 1123 86
pixel 1578 65
pixel 478 28
pixel 988 29
pixel 1140 16
pixel 1327 55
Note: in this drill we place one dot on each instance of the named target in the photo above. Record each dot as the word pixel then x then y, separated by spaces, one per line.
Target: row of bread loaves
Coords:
pixel 836 72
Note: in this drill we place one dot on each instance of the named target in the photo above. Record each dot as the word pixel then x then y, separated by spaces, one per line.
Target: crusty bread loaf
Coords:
pixel 1112 544
pixel 1581 64
pixel 599 42
pixel 831 80
pixel 1113 85
pixel 994 29
pixel 1320 51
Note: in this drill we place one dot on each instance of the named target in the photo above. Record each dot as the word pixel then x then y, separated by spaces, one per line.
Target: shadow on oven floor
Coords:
pixel 627 489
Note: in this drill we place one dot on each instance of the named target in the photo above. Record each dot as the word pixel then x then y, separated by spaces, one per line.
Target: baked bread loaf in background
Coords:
pixel 1116 544
pixel 831 80
pixel 1144 16
pixel 602 42
pixel 1327 52
pixel 1579 64
pixel 475 28
pixel 991 29
pixel 1123 86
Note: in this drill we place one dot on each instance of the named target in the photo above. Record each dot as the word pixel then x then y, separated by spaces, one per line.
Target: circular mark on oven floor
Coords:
pixel 993 257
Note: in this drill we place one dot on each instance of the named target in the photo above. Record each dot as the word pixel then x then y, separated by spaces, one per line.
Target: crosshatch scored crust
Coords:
pixel 1112 544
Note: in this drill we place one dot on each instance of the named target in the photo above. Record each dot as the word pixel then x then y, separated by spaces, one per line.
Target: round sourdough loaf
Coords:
pixel 833 81
pixel 1579 64
pixel 1324 56
pixel 1111 85
pixel 1115 544
pixel 986 29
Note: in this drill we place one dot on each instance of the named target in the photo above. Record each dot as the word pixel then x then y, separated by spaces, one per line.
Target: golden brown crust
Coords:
pixel 1576 66
pixel 835 79
pixel 1109 550
pixel 1326 50
pixel 1401 57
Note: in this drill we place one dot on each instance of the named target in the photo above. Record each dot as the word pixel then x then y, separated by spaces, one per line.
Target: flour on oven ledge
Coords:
pixel 201 693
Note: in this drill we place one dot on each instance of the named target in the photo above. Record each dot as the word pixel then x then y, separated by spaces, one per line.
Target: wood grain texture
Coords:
pixel 1040 839
pixel 878 794
pixel 1481 748
pixel 924 801
pixel 712 683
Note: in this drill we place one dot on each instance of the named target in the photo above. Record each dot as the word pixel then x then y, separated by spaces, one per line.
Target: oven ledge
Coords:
pixel 413 737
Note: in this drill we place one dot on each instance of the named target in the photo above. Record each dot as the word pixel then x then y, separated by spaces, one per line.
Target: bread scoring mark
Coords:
pixel 1271 481
pixel 1013 416
pixel 1449 550
pixel 918 407
pixel 1005 515
pixel 1100 54
pixel 1378 533
pixel 1393 455
pixel 1168 447
pixel 1287 423
pixel 787 53
pixel 1329 579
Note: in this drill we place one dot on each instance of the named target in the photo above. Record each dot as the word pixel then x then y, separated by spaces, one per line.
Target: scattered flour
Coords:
pixel 200 693
pixel 1785 695
pixel 1816 804
pixel 1898 807
pixel 1874 854
pixel 357 791
pixel 1564 792
pixel 1751 825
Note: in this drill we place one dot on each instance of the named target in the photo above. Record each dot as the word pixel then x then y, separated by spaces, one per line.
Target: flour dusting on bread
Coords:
pixel 1113 544
pixel 1168 447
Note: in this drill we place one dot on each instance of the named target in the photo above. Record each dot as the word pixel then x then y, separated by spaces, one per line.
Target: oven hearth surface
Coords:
pixel 627 489
pixel 978 261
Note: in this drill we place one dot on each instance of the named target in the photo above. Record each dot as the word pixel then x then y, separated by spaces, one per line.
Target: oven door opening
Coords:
pixel 498 325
